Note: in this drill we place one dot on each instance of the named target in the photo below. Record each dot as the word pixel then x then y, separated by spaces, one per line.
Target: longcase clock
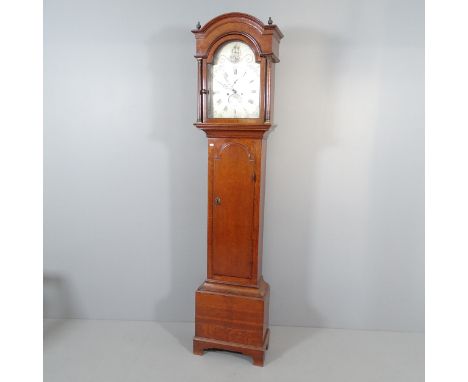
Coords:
pixel 236 55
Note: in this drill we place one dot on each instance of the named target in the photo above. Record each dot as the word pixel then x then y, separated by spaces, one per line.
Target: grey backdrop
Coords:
pixel 125 170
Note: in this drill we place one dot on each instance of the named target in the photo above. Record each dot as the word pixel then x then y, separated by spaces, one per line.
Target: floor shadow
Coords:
pixel 183 333
pixel 53 328
pixel 58 305
pixel 247 358
pixel 285 339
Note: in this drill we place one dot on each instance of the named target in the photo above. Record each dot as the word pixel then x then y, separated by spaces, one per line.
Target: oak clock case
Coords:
pixel 236 54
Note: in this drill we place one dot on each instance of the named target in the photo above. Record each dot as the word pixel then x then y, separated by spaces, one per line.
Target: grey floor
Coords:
pixel 84 350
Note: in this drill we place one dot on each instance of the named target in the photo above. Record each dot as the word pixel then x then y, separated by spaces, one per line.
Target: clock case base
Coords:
pixel 233 318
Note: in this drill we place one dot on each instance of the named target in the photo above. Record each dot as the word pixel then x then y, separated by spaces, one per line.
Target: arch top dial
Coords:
pixel 234 82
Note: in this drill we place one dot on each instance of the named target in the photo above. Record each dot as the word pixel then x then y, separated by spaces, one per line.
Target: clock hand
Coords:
pixel 225 86
pixel 239 78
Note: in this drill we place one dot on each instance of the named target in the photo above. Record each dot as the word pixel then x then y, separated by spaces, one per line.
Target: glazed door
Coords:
pixel 233 201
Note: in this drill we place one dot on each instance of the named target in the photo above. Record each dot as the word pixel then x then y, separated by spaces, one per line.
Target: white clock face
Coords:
pixel 234 82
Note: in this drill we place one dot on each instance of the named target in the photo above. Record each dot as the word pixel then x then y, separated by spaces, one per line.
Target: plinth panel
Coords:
pixel 232 320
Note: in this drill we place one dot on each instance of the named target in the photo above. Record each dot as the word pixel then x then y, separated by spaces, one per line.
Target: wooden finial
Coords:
pixel 198 25
pixel 270 21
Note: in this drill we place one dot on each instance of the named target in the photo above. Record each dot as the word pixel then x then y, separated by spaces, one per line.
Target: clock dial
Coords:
pixel 234 82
